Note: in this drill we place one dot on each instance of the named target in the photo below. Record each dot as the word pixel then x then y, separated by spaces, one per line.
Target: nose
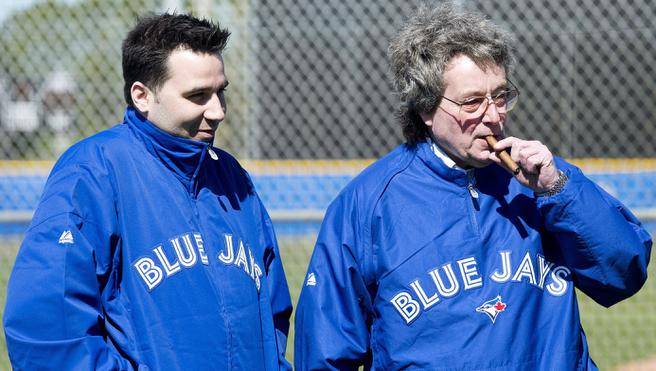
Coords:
pixel 491 114
pixel 216 108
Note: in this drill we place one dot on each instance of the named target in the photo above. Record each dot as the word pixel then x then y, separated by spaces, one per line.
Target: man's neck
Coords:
pixel 448 161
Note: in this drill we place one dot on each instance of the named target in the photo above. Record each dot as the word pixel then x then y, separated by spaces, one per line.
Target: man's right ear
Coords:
pixel 427 118
pixel 141 96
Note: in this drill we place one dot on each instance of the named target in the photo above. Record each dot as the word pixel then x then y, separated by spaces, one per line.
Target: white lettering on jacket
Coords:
pixel 228 257
pixel 184 252
pixel 422 295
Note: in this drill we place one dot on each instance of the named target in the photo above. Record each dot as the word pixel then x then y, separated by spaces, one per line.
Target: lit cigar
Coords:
pixel 503 155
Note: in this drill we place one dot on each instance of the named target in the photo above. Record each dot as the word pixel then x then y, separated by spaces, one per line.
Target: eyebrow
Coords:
pixel 202 89
pixel 478 93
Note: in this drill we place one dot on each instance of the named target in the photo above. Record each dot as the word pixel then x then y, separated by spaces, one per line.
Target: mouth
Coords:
pixel 484 145
pixel 205 135
pixel 483 141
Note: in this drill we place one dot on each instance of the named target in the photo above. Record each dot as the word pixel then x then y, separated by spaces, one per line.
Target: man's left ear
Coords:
pixel 141 96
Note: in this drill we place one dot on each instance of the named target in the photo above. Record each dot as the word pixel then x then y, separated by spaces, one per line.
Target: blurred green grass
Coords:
pixel 623 333
pixel 626 331
pixel 7 256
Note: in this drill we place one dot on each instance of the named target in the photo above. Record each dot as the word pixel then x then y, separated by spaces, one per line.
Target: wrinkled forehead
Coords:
pixel 468 76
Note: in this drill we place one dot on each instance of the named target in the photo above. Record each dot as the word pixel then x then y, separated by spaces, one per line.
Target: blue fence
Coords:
pixel 296 202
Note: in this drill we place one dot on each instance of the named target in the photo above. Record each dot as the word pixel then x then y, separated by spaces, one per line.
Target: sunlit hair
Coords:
pixel 422 48
pixel 148 45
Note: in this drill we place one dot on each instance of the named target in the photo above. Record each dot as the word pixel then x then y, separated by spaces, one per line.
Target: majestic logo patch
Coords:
pixel 66 237
pixel 311 280
pixel 492 308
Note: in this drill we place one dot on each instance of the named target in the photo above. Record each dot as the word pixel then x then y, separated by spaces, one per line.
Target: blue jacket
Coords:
pixel 148 251
pixel 421 266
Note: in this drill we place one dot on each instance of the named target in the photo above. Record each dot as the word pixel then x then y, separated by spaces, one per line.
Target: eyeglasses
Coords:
pixel 504 100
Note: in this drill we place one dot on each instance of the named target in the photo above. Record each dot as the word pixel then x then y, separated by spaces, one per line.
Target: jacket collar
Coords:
pixel 437 164
pixel 437 150
pixel 181 155
pixel 489 176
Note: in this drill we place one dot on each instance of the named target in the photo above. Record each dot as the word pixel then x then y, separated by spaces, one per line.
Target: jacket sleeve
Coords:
pixel 334 310
pixel 281 304
pixel 53 317
pixel 601 241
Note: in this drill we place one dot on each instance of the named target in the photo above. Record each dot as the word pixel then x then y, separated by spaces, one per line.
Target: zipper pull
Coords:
pixel 472 184
pixel 472 191
pixel 213 154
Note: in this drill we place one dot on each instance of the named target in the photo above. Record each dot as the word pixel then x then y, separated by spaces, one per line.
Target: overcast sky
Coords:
pixel 8 7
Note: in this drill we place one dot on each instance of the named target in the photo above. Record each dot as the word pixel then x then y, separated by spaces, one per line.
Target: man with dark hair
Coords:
pixel 439 256
pixel 150 248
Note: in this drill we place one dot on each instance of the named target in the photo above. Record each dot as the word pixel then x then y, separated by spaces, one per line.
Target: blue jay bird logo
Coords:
pixel 492 308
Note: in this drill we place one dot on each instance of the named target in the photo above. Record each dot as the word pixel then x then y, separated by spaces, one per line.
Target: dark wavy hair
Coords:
pixel 148 45
pixel 423 47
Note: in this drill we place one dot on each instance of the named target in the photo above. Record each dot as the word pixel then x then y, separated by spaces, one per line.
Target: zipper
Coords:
pixel 473 206
pixel 193 187
pixel 210 273
pixel 471 185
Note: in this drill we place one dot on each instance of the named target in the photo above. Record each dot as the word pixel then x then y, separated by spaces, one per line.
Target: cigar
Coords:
pixel 503 155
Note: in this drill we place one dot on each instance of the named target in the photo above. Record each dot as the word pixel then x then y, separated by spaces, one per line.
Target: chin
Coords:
pixel 480 162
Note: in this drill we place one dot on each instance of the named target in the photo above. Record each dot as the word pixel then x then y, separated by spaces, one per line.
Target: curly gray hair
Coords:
pixel 423 47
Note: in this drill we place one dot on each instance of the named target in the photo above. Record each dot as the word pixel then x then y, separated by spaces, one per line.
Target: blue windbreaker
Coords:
pixel 151 252
pixel 421 266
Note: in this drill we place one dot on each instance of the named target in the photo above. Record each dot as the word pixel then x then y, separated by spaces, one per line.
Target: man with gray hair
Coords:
pixel 443 255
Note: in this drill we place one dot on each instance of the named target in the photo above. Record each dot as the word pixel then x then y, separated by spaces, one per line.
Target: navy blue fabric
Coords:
pixel 147 253
pixel 412 270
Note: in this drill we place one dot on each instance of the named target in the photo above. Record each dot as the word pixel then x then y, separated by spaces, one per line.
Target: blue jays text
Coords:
pixel 423 296
pixel 153 273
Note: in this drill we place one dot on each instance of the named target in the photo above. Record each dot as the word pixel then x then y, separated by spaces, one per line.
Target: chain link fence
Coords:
pixel 310 104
